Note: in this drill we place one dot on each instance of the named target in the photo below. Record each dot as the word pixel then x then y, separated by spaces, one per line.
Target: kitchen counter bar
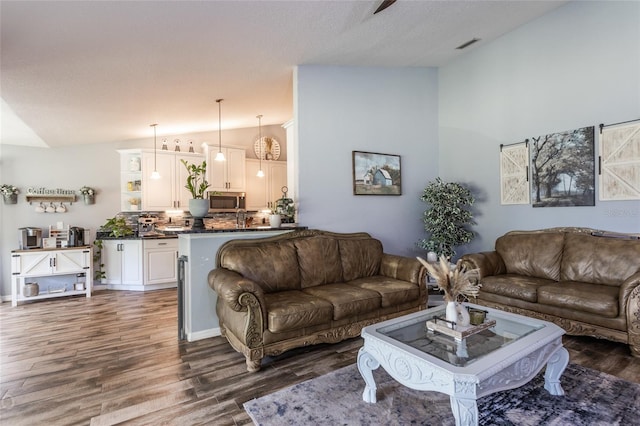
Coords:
pixel 174 232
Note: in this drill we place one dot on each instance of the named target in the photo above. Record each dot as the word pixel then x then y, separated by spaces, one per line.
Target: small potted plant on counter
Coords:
pixel 88 194
pixel 9 193
pixel 197 185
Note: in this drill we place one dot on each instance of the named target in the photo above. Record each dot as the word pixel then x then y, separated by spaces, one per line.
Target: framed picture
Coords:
pixel 563 169
pixel 376 174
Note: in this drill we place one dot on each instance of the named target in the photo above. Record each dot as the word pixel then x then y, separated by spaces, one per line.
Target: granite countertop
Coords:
pixel 212 230
pixel 174 231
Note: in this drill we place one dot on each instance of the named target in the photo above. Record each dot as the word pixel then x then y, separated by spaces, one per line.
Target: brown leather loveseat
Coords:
pixel 584 280
pixel 307 287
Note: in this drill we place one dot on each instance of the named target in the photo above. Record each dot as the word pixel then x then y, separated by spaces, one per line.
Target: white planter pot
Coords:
pixel 275 221
pixel 198 207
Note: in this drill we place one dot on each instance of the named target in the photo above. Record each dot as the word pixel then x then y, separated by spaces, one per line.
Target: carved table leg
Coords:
pixel 366 365
pixel 465 411
pixel 555 367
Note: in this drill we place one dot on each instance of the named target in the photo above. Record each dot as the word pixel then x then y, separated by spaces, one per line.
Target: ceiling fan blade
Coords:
pixel 385 4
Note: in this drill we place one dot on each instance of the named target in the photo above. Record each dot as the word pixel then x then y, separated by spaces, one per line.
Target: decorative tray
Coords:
pixel 458 332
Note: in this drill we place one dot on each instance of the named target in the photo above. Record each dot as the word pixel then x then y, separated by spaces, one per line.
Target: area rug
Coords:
pixel 591 398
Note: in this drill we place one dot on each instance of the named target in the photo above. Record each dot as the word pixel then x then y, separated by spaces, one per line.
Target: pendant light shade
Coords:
pixel 154 174
pixel 219 155
pixel 260 172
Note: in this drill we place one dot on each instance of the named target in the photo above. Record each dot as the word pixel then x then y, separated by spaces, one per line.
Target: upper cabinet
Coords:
pixel 263 192
pixel 165 193
pixel 228 175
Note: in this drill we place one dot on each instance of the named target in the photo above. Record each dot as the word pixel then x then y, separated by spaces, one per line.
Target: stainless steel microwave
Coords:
pixel 226 201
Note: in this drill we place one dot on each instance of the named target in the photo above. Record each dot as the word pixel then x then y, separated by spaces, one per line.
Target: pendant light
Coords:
pixel 260 172
pixel 219 155
pixel 154 174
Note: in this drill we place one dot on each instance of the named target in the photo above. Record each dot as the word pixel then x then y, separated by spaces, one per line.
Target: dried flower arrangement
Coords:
pixel 457 283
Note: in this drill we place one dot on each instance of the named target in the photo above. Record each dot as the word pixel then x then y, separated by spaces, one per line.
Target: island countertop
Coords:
pixel 176 230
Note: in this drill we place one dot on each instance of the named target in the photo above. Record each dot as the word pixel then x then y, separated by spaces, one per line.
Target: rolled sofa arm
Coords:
pixel 230 286
pixel 402 268
pixel 487 263
pixel 630 303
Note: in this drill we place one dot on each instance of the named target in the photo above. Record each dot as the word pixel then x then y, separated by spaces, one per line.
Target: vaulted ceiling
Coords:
pixel 82 72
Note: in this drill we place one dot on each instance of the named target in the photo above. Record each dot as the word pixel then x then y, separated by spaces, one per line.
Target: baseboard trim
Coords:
pixel 204 334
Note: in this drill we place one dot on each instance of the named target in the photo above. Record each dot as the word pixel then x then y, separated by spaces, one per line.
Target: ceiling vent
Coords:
pixel 467 44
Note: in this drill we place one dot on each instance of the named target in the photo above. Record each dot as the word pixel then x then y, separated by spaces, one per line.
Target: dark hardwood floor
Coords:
pixel 115 358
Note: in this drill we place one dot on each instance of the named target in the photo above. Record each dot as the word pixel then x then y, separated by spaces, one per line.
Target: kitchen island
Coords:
pixel 197 249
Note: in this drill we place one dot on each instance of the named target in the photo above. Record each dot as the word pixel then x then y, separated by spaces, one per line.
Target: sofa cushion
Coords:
pixel 597 299
pixel 347 300
pixel 273 266
pixel 599 260
pixel 360 257
pixel 319 260
pixel 513 286
pixel 534 255
pixel 392 292
pixel 289 310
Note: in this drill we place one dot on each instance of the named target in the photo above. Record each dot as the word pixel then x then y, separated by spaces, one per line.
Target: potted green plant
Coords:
pixel 117 227
pixel 447 217
pixel 197 185
pixel 9 193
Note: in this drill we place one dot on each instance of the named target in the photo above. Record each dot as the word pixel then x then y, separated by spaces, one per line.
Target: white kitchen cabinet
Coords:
pixel 65 265
pixel 168 192
pixel 263 192
pixel 160 262
pixel 122 260
pixel 140 264
pixel 228 175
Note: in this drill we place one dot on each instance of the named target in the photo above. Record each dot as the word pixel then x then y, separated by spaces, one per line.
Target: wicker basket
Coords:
pixel 31 289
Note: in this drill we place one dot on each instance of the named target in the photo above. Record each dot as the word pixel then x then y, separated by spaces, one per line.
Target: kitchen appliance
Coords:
pixel 76 236
pixel 226 201
pixel 147 226
pixel 29 238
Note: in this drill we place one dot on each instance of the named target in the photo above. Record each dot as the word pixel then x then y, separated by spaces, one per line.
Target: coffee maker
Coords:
pixel 76 236
pixel 29 238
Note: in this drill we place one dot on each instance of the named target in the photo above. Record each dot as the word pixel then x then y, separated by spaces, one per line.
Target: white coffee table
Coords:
pixel 506 356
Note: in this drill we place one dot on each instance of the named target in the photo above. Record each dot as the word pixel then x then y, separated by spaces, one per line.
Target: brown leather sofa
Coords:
pixel 584 280
pixel 307 287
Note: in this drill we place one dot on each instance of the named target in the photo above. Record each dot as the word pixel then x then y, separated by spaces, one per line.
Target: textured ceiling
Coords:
pixel 92 71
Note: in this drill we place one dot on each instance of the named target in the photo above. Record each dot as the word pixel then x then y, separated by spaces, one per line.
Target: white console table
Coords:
pixel 63 264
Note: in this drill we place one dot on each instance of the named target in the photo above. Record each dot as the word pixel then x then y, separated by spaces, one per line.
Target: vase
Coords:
pixel 432 257
pixel 198 207
pixel 89 199
pixel 10 198
pixel 451 312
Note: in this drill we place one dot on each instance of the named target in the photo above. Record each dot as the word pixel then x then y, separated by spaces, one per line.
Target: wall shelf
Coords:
pixel 51 198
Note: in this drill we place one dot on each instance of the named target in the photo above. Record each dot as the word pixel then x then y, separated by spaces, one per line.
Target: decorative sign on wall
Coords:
pixel 514 173
pixel 563 169
pixel 620 162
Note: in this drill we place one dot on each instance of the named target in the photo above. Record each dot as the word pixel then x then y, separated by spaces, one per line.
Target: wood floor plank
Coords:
pixel 115 359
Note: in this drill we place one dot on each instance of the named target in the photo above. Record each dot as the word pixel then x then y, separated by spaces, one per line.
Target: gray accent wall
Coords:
pixel 577 66
pixel 384 110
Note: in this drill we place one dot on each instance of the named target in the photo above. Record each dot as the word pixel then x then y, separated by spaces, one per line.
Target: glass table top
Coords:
pixel 414 333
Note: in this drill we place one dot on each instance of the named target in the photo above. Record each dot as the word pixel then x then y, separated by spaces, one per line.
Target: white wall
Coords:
pixel 577 66
pixel 97 166
pixel 385 110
